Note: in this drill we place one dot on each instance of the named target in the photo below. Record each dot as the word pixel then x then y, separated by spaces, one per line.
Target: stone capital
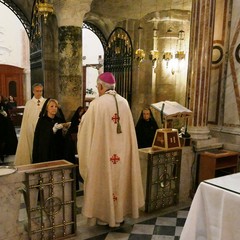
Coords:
pixel 71 12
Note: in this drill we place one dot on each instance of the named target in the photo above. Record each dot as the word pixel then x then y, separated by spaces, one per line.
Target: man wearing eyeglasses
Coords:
pixel 30 117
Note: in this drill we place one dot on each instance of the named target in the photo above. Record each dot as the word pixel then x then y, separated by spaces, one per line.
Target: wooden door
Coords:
pixel 12 82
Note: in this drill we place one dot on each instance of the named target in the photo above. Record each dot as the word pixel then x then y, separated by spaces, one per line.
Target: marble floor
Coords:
pixel 164 224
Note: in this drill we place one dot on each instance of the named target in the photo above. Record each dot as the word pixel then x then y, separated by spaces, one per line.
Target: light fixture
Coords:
pixel 167 56
pixel 42 8
pixel 154 54
pixel 180 55
pixel 139 53
pixel 181 35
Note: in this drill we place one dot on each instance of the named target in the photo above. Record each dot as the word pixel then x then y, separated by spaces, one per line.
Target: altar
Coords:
pixel 214 211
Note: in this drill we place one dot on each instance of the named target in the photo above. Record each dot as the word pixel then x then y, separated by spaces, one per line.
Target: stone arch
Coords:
pixel 97 31
pixel 19 14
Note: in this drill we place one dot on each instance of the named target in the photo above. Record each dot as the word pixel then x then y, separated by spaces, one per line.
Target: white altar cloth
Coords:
pixel 214 213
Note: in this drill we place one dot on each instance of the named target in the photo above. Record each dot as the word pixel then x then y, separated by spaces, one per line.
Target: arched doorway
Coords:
pixel 12 82
pixel 118 56
pixel 19 14
pixel 94 45
pixel 14 52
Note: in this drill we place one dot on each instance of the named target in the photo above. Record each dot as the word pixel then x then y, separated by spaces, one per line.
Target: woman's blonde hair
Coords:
pixel 52 100
pixel 44 111
pixel 46 104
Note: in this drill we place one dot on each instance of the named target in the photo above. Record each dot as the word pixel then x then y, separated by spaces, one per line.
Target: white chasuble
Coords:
pixel 109 161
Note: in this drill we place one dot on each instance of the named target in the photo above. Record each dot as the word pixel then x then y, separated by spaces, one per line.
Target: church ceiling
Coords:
pixel 135 9
pixel 117 9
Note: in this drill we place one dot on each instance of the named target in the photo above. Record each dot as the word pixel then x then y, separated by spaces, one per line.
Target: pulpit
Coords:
pixel 161 177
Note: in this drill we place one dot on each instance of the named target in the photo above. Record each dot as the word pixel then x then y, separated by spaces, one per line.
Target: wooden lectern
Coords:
pixel 166 138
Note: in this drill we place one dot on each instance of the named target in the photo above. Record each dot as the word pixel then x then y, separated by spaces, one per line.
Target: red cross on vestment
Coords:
pixel 115 118
pixel 114 197
pixel 115 158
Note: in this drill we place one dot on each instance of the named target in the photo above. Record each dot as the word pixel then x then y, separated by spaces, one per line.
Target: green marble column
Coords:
pixel 70 69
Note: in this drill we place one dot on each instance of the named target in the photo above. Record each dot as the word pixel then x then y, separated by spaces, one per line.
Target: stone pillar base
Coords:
pixel 201 145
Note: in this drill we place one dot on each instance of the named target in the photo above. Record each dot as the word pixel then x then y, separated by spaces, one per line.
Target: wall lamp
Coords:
pixel 180 55
pixel 167 56
pixel 154 56
pixel 139 55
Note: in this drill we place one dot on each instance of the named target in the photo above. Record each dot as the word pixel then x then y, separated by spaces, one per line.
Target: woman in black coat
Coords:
pixel 8 137
pixel 48 144
pixel 146 128
pixel 71 141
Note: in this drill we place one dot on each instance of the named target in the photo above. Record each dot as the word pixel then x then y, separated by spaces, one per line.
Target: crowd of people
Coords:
pixel 105 140
pixel 7 103
pixel 8 137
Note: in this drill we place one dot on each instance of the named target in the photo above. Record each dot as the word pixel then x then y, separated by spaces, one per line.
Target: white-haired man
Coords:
pixel 30 117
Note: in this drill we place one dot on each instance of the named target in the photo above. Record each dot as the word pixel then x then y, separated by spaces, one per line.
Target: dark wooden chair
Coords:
pixel 16 115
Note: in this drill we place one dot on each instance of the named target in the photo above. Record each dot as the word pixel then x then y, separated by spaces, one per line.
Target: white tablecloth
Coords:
pixel 215 210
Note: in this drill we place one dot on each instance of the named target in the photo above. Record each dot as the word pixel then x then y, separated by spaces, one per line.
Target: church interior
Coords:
pixel 181 51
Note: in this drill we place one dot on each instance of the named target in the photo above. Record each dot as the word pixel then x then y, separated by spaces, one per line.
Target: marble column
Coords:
pixel 70 18
pixel 200 54
pixel 70 69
